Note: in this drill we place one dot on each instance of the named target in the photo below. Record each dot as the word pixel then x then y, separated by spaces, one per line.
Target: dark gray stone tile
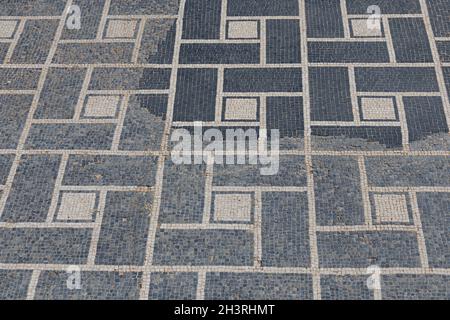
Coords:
pixel 14 284
pixel 283 41
pixel 408 171
pixel 19 78
pixel 324 19
pixel 396 79
pixel 130 79
pixel 219 53
pixel 14 111
pixel 44 245
pixel 330 94
pixel 346 52
pixel 173 286
pixel 363 249
pixel 201 19
pixel 258 286
pixel 88 53
pixel 285 231
pixel 263 80
pixel 195 98
pixel 32 189
pixel 386 6
pixel 410 40
pixel 262 8
pixel 345 287
pixel 415 287
pixel 203 247
pixel 70 136
pixel 99 285
pixel 337 186
pixel 110 170
pixel 435 209
pixel 123 234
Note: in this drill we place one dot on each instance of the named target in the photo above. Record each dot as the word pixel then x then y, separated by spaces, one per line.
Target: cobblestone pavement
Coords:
pixel 87 182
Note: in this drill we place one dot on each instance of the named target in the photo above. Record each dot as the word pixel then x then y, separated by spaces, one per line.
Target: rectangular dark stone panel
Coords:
pixel 202 19
pixel 195 98
pixel 60 94
pixel 337 186
pixel 324 19
pixel 3 50
pixel 396 79
pixel 158 41
pixel 144 123
pixel 70 136
pixel 283 41
pixel 44 245
pixel 110 170
pixel 364 52
pixel 408 171
pixel 35 41
pixel 352 138
pixel 415 287
pixel 291 172
pixel 263 80
pixel 444 50
pixel 144 7
pixel 446 72
pixel 219 53
pixel 6 161
pixel 361 249
pixel 386 6
pixel 19 78
pixel 345 287
pixel 262 8
pixel 203 247
pixel 439 11
pixel 14 284
pixel 33 8
pixel 286 115
pixel 285 239
pixel 425 116
pixel 14 111
pixel 434 214
pixel 173 286
pixel 410 40
pixel 182 198
pixel 258 286
pixel 101 285
pixel 88 53
pixel 32 189
pixel 123 233
pixel 91 13
pixel 130 79
pixel 330 94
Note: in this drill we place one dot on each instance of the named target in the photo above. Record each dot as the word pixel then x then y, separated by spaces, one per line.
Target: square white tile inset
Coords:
pixel 243 30
pixel 77 206
pixel 378 108
pixel 363 28
pixel 122 29
pixel 7 28
pixel 101 106
pixel 232 207
pixel 241 109
pixel 391 208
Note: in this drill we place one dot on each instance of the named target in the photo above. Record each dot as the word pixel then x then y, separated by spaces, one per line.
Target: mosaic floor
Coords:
pixel 93 207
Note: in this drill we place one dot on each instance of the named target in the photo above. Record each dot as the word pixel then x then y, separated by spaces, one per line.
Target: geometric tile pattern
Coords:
pixel 86 178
